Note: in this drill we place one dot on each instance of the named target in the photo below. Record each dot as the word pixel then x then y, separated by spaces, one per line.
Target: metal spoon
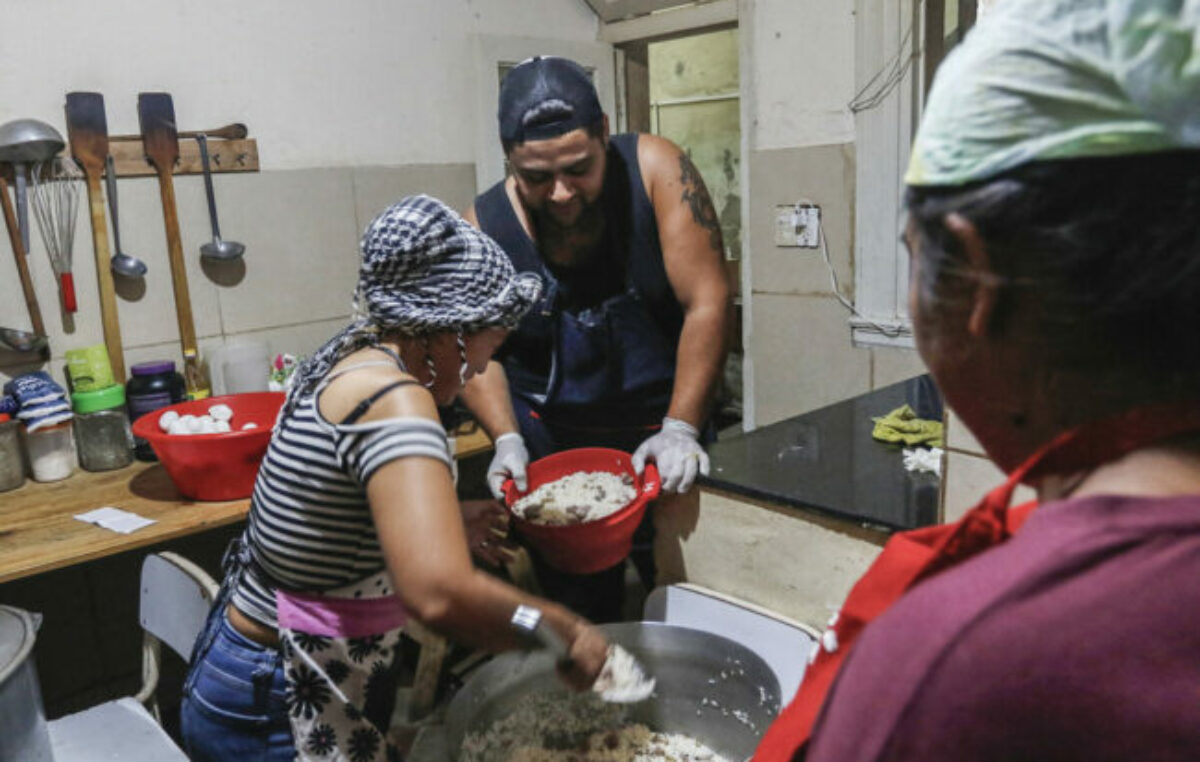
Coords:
pixel 121 263
pixel 22 142
pixel 215 249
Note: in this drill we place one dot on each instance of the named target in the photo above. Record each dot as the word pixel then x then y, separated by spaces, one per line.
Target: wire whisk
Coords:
pixel 55 196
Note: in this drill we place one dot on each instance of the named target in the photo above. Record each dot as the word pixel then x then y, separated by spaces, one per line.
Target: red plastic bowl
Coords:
pixel 593 545
pixel 215 467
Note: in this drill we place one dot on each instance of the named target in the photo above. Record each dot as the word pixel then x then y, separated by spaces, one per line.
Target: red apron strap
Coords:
pixel 907 558
pixel 912 556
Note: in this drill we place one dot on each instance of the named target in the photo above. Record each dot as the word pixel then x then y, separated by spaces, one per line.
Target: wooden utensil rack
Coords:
pixel 130 158
pixel 225 155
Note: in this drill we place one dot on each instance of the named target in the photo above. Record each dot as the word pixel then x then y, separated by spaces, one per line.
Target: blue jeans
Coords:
pixel 233 698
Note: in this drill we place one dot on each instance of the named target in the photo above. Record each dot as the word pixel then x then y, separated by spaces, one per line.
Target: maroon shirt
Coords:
pixel 1078 639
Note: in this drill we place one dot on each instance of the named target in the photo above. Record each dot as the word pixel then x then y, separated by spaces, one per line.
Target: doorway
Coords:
pixel 687 89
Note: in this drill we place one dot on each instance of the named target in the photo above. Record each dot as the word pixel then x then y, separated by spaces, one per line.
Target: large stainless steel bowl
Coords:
pixel 709 687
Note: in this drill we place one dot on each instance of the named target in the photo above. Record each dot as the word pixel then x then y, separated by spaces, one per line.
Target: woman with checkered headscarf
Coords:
pixel 354 524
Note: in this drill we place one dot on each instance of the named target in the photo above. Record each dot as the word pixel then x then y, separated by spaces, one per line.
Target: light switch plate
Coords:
pixel 798 225
pixel 785 225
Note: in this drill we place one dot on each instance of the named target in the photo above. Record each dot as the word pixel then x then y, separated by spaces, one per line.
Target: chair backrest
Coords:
pixel 175 600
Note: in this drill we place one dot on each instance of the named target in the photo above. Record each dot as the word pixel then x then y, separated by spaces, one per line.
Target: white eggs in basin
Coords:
pixel 218 420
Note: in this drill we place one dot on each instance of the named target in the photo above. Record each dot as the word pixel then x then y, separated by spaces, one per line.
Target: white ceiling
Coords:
pixel 615 10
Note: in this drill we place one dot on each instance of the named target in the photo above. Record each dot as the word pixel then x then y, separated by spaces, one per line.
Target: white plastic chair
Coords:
pixel 176 596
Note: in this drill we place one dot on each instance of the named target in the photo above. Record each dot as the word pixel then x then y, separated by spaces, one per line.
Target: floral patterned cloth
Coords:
pixel 342 671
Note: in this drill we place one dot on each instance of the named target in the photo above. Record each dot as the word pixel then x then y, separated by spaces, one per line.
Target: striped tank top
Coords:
pixel 310 527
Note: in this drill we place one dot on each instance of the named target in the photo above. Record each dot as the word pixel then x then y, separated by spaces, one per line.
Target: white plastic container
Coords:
pixel 241 367
pixel 51 452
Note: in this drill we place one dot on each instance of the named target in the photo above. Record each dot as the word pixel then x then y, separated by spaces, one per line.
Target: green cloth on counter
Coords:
pixel 902 426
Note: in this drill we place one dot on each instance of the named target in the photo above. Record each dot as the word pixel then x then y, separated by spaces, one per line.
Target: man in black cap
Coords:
pixel 626 346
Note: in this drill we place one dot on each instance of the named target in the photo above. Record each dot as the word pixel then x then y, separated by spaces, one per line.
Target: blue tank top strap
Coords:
pixel 643 223
pixel 499 220
pixel 645 271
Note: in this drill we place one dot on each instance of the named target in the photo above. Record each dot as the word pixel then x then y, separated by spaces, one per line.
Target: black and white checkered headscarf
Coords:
pixel 424 270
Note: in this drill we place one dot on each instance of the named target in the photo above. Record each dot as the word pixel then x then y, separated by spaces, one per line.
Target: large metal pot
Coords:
pixel 23 732
pixel 708 687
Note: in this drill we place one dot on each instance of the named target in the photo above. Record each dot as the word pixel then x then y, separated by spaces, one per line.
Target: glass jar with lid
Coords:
pixel 102 433
pixel 12 462
pixel 51 451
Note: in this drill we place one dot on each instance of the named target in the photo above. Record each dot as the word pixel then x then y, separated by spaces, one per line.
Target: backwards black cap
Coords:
pixel 544 97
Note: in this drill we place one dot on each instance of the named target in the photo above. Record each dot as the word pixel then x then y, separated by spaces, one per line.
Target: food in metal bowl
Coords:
pixel 577 498
pixel 708 690
pixel 558 728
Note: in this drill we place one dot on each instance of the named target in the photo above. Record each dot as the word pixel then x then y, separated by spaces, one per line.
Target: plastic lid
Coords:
pixel 5 417
pixel 153 368
pixel 99 399
pixel 18 630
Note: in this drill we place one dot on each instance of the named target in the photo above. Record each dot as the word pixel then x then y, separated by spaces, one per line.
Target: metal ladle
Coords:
pixel 121 263
pixel 22 341
pixel 215 249
pixel 23 142
pixel 18 340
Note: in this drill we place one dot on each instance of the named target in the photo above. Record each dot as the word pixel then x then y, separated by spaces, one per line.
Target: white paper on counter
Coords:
pixel 115 519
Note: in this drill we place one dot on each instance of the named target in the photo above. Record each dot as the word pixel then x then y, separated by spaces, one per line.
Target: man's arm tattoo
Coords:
pixel 695 195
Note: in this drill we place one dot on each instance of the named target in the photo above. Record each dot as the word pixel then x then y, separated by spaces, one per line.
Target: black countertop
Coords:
pixel 827 461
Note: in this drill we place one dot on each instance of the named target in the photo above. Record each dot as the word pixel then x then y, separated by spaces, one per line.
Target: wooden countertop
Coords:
pixel 39 531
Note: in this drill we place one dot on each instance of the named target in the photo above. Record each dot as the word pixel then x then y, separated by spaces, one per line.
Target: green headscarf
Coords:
pixel 1057 79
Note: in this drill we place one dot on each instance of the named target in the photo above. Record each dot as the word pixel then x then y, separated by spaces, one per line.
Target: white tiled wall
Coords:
pixel 959 437
pixel 968 472
pixel 352 105
pixel 803 357
pixel 799 333
pixel 890 366
pixel 292 287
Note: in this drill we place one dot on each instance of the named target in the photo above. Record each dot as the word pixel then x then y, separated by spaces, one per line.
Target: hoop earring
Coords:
pixel 462 359
pixel 428 364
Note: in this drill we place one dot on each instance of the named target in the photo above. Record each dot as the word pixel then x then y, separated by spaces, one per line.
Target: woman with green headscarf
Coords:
pixel 1054 229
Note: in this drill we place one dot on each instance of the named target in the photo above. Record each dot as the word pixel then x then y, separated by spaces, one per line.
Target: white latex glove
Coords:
pixel 509 462
pixel 676 452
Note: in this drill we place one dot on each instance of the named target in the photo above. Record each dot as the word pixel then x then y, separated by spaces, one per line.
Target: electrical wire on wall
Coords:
pixel 890 331
pixel 870 96
pixel 888 78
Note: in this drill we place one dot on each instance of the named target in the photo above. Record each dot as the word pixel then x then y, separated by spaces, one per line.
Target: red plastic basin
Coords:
pixel 593 545
pixel 215 467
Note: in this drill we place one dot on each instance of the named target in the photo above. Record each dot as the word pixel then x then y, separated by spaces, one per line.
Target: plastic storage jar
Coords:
pixel 12 462
pixel 102 429
pixel 152 386
pixel 51 452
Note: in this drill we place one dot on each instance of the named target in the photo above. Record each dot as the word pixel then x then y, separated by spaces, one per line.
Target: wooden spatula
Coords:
pixel 19 253
pixel 156 115
pixel 87 132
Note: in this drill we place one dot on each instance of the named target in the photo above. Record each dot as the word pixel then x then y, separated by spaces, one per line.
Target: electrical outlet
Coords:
pixel 797 225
